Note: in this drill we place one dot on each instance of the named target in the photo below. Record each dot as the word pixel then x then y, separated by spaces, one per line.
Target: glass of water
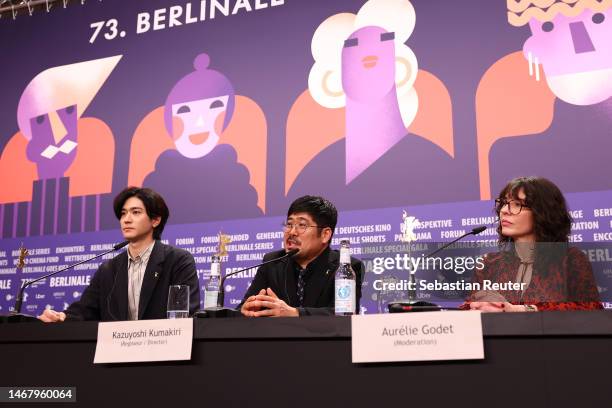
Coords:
pixel 178 302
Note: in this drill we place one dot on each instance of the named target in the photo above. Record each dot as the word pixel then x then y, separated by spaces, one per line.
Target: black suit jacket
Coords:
pixel 106 297
pixel 319 292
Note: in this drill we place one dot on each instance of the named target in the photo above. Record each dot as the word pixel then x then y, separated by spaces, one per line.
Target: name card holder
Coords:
pixel 426 336
pixel 144 341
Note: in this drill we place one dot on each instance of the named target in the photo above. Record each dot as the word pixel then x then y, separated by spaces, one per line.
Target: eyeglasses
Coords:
pixel 300 227
pixel 514 207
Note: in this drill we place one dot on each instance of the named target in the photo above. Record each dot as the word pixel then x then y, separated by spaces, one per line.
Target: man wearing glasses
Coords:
pixel 302 285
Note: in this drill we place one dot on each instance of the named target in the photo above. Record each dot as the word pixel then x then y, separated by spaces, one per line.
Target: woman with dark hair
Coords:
pixel 535 263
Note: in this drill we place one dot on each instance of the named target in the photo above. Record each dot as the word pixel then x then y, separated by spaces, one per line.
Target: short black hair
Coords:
pixel 322 211
pixel 154 204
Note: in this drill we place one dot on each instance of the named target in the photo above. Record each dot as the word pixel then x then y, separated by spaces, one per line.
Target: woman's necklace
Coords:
pixel 524 266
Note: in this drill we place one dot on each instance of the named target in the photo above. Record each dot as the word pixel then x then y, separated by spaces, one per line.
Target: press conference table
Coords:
pixel 547 359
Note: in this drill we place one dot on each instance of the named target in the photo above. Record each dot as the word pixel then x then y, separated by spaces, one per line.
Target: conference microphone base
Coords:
pixel 411 307
pixel 216 312
pixel 18 318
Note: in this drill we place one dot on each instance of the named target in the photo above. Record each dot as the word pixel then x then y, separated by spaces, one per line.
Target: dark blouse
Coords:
pixel 567 284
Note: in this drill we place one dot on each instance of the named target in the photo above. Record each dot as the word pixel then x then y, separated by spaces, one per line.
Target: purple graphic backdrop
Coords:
pixel 266 55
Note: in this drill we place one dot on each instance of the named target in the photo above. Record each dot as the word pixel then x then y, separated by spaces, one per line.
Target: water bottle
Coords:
pixel 211 290
pixel 345 278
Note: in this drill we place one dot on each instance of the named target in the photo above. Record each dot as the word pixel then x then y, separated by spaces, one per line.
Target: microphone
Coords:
pixel 16 314
pixel 220 310
pixel 474 231
pixel 221 297
pixel 422 306
pixel 478 230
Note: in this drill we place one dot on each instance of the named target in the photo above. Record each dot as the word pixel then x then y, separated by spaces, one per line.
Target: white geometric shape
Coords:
pixel 200 121
pixel 68 146
pixel 49 152
pixel 396 16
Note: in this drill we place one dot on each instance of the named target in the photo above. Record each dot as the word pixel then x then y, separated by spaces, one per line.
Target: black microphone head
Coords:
pixel 294 251
pixel 120 245
pixel 478 230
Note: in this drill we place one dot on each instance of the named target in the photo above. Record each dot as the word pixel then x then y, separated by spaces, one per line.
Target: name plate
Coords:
pixel 423 336
pixel 144 340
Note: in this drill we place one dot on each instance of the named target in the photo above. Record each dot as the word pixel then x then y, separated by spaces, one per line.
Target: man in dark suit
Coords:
pixel 134 285
pixel 302 285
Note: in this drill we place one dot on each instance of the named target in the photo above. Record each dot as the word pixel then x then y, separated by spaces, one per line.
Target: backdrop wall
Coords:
pixel 233 108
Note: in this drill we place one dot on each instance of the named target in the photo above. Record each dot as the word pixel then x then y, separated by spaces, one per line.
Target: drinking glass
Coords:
pixel 178 302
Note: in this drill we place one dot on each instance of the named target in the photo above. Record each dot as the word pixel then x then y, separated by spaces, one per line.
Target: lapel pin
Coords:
pixel 156 275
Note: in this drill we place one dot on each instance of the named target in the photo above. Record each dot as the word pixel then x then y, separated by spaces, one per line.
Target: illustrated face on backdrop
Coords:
pixel 54 141
pixel 368 64
pixel 50 107
pixel 362 56
pixel 573 45
pixel 198 109
pixel 362 64
pixel 197 125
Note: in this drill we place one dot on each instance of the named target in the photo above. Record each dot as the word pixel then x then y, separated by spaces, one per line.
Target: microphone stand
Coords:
pixel 220 310
pixel 412 305
pixel 17 316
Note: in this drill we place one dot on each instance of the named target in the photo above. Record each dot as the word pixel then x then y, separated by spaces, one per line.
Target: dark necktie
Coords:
pixel 300 287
